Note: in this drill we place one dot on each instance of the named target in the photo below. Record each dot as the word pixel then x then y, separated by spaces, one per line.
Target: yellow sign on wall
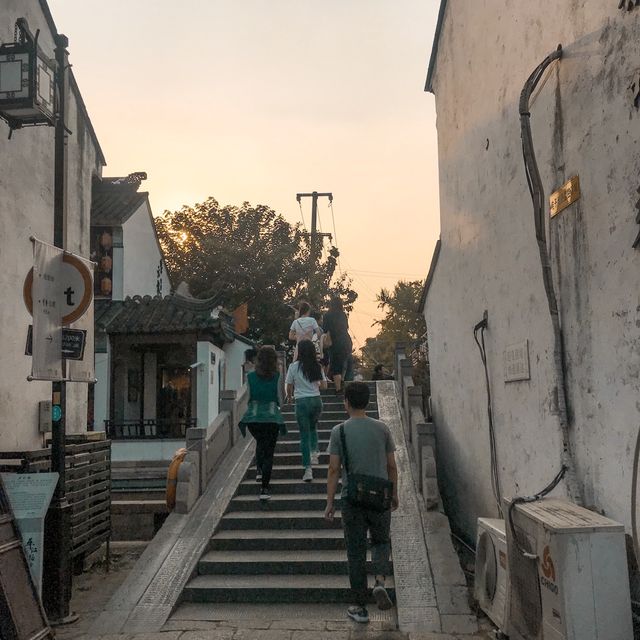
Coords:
pixel 567 194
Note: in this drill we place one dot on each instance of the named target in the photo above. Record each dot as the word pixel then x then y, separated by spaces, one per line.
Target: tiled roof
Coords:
pixel 115 200
pixel 157 315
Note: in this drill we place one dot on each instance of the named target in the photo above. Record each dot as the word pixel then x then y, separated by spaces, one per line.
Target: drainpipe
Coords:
pixel 537 196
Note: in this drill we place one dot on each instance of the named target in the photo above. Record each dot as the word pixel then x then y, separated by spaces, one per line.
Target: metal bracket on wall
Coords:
pixel 636 244
pixel 628 4
pixel 634 87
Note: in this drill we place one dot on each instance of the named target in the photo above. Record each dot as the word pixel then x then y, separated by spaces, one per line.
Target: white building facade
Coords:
pixel 26 209
pixel 585 120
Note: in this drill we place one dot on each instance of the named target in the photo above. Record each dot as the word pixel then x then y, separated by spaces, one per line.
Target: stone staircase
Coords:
pixel 280 551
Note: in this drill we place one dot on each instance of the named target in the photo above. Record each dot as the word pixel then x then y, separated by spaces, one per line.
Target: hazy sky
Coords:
pixel 259 99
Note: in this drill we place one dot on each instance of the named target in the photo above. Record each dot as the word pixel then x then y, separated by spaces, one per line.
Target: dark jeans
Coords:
pixel 356 522
pixel 266 435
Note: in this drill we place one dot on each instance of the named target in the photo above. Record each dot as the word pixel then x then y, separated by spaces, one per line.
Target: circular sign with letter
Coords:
pixel 76 291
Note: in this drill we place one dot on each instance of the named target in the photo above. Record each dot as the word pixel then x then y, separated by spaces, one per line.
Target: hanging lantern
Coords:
pixel 105 286
pixel 105 264
pixel 27 81
pixel 106 241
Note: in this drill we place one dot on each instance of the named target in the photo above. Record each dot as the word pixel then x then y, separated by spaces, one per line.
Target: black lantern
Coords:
pixel 27 81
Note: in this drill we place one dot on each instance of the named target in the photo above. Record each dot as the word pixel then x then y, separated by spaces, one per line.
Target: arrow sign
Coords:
pixel 73 342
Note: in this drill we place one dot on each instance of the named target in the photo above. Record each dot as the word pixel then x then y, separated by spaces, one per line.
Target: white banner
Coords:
pixel 84 370
pixel 46 363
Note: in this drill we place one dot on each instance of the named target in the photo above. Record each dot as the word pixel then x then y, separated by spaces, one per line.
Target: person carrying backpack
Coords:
pixel 364 449
pixel 304 327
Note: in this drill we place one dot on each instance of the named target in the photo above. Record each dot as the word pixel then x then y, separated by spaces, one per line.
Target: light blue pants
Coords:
pixel 308 411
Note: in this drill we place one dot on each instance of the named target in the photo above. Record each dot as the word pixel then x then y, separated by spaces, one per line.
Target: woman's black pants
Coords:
pixel 266 435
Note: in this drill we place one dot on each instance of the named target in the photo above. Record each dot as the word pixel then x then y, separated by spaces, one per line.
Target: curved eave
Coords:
pixel 429 280
pixel 434 49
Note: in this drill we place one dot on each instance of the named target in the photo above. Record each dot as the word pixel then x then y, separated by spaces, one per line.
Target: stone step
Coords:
pixel 330 390
pixel 279 562
pixel 327 425
pixel 293 471
pixel 285 458
pixel 292 446
pixel 335 402
pixel 284 485
pixel 279 502
pixel 338 416
pixel 272 588
pixel 294 434
pixel 312 615
pixel 287 520
pixel 241 540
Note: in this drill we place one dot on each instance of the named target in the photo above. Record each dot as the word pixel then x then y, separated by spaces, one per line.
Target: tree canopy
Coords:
pixel 401 323
pixel 248 254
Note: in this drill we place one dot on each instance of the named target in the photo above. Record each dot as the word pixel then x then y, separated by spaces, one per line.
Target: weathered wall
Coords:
pixel 584 123
pixel 141 256
pixel 208 382
pixel 26 208
pixel 234 359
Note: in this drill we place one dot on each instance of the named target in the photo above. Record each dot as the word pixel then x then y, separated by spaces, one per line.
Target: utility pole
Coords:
pixel 56 590
pixel 313 240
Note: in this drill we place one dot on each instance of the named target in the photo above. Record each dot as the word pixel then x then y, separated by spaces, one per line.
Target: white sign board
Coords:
pixel 46 363
pixel 516 362
pixel 30 495
pixel 58 292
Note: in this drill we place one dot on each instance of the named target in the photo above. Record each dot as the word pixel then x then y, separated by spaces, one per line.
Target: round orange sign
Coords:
pixel 77 288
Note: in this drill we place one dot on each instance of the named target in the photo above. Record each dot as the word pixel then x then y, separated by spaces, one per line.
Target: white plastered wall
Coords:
pixel 142 257
pixel 584 123
pixel 26 208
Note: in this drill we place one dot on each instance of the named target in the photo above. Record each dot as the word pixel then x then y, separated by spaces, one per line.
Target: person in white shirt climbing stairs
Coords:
pixel 304 327
pixel 305 379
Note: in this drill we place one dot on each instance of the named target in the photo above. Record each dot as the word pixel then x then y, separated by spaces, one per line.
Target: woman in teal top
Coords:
pixel 263 418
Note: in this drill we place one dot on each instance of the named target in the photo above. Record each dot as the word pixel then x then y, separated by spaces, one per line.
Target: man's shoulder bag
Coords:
pixel 367 492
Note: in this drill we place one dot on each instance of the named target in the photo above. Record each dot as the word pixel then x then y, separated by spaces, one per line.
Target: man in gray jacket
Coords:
pixel 370 449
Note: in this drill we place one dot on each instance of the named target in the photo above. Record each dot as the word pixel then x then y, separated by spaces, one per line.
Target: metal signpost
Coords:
pixel 59 289
pixel 57 292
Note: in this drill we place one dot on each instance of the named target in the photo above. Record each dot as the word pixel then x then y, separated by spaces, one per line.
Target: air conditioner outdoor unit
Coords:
pixel 491 587
pixel 576 584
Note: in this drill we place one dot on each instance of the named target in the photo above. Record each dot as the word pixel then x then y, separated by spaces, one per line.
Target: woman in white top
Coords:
pixel 304 380
pixel 304 327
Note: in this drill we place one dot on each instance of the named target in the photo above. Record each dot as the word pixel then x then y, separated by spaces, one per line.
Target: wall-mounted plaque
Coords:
pixel 567 194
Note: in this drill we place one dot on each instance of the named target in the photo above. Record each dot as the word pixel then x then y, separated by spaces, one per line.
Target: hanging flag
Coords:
pixel 46 363
pixel 241 318
pixel 83 370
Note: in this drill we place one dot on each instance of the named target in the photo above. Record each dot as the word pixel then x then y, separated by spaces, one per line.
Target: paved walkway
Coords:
pixel 92 590
pixel 135 601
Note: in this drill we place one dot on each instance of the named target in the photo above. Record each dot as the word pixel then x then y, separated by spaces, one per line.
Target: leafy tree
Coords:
pixel 401 323
pixel 248 254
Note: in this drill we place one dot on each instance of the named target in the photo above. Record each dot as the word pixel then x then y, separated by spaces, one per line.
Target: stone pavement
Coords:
pixel 432 596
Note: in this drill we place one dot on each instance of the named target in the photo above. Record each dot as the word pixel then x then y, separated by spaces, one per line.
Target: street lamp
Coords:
pixel 32 92
pixel 27 81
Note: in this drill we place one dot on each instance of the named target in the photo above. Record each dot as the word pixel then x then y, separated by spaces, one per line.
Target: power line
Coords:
pixel 335 236
pixel 304 224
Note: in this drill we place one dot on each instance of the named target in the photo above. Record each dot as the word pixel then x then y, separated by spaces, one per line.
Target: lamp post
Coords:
pixel 27 81
pixel 33 91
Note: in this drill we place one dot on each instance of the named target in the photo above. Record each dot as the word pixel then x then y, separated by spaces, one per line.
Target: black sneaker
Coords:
pixel 258 475
pixel 359 614
pixel 264 494
pixel 381 597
